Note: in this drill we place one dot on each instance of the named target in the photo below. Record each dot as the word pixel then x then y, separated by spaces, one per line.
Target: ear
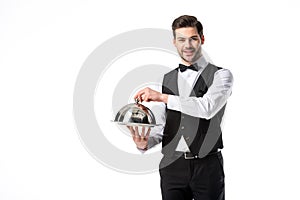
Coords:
pixel 202 39
pixel 174 41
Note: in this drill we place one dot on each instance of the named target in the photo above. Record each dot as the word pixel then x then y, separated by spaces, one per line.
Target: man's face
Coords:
pixel 188 44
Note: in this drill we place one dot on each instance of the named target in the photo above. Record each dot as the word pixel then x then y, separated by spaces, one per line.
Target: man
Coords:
pixel 193 96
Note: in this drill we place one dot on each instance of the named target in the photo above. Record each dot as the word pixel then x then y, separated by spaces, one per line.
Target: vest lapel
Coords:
pixel 200 87
pixel 171 85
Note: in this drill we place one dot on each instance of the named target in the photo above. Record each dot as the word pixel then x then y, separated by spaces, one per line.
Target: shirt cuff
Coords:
pixel 173 103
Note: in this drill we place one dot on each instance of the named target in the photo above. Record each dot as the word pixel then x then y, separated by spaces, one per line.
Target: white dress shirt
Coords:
pixel 203 107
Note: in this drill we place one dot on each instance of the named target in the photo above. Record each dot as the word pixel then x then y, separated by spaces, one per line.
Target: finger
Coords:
pixel 143 96
pixel 143 132
pixel 136 131
pixel 146 98
pixel 148 132
pixel 139 94
pixel 131 130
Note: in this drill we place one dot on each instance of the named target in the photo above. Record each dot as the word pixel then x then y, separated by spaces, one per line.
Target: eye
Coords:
pixel 180 39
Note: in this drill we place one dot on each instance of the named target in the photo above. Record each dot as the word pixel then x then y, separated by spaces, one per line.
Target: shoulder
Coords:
pixel 171 74
pixel 222 73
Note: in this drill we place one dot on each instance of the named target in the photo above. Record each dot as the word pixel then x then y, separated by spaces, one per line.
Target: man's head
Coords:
pixel 188 38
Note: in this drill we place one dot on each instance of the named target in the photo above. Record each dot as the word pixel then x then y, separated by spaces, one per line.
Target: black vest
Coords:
pixel 202 135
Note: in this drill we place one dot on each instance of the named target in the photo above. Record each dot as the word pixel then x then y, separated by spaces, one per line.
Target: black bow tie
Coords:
pixel 182 67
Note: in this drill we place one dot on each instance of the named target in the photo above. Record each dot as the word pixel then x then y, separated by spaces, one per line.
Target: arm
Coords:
pixel 204 107
pixel 208 105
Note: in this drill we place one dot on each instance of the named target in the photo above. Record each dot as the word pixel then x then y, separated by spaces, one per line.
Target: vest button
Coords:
pixel 182 127
pixel 182 117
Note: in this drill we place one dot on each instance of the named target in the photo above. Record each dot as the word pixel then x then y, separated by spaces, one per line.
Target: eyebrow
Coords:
pixel 181 37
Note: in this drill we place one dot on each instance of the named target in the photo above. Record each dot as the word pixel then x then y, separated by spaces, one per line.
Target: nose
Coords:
pixel 188 43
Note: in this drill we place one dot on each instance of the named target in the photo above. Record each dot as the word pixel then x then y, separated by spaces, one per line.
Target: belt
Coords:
pixel 191 156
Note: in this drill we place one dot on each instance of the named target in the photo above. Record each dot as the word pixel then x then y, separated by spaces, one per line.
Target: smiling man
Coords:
pixel 193 99
pixel 188 43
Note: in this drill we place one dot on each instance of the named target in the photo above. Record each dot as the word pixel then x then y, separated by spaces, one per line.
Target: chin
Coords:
pixel 189 59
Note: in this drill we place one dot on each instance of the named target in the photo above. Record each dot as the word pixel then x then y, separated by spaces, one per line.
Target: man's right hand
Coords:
pixel 147 94
pixel 141 140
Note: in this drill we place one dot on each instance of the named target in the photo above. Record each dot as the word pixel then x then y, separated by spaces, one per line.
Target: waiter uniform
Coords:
pixel 192 166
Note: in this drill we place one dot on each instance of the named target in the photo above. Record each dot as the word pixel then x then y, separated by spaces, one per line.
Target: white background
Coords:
pixel 43 45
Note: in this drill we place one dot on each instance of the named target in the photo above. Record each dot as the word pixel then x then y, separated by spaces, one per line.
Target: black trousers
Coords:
pixel 198 179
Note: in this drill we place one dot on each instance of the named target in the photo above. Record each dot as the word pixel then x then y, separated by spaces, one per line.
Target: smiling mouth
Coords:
pixel 188 53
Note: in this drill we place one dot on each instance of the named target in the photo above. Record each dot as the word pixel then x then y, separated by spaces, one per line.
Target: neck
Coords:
pixel 187 63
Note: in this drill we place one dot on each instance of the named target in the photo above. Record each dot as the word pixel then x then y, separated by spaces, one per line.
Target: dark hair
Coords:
pixel 187 21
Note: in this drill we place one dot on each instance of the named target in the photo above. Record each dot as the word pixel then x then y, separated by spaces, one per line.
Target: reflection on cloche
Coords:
pixel 135 114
